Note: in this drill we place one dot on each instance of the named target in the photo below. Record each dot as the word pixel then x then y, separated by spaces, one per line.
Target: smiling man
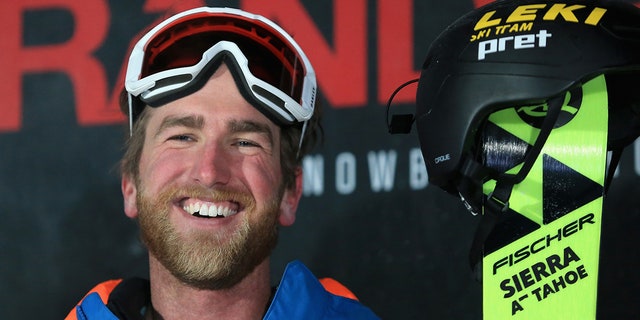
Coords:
pixel 222 109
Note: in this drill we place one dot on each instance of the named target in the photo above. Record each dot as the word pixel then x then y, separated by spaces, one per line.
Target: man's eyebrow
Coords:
pixel 251 126
pixel 194 122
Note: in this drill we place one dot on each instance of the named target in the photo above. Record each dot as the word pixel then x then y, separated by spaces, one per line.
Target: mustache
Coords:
pixel 173 193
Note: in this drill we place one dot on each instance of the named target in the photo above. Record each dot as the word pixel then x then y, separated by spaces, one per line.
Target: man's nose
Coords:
pixel 212 165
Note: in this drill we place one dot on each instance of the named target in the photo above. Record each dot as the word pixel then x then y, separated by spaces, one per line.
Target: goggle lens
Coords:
pixel 182 44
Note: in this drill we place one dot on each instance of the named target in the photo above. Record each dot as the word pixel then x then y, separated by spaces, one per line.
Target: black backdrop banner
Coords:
pixel 368 216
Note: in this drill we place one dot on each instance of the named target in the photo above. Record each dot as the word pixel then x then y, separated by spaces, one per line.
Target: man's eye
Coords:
pixel 181 137
pixel 246 143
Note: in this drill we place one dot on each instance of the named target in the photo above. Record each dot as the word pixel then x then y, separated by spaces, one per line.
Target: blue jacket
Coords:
pixel 299 296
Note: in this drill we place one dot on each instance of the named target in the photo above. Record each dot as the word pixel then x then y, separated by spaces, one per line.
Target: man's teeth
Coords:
pixel 209 210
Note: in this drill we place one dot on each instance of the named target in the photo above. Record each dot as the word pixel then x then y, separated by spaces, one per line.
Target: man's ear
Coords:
pixel 129 193
pixel 290 201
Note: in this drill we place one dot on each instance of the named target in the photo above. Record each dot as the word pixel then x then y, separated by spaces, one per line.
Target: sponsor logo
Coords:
pixel 519 42
pixel 544 242
pixel 531 12
pixel 498 31
pixel 442 158
pixel 535 115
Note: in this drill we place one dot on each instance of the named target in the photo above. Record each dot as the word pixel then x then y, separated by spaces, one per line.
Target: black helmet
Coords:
pixel 517 53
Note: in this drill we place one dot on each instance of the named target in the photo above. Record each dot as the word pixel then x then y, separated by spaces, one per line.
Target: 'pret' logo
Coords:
pixel 519 42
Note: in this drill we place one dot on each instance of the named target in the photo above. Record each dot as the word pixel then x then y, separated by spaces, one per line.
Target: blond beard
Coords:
pixel 202 259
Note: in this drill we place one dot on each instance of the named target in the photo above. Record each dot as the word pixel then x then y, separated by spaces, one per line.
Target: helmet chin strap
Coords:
pixel 496 203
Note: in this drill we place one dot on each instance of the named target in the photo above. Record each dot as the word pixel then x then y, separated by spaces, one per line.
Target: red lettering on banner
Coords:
pixel 73 57
pixel 395 50
pixel 480 3
pixel 171 6
pixel 10 90
pixel 341 70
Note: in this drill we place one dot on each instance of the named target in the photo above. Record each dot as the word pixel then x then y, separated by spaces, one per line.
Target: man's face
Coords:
pixel 209 193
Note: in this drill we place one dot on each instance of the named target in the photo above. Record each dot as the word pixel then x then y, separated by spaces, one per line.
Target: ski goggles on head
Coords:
pixel 179 55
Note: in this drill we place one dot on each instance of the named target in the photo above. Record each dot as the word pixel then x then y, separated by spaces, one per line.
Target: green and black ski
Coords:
pixel 540 260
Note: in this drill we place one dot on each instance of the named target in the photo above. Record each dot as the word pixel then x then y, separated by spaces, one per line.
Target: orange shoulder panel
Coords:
pixel 103 289
pixel 337 288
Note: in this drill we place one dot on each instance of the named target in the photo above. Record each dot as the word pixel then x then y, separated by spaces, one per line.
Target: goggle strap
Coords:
pixel 304 128
pixel 130 100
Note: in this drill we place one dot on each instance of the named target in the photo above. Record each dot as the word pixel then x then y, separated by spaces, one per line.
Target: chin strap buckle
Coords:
pixel 496 204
